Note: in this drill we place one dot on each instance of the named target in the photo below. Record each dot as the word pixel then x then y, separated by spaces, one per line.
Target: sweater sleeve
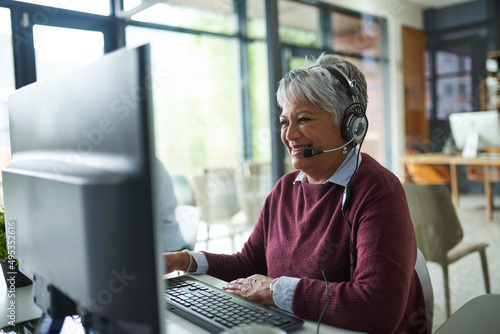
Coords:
pixel 249 261
pixel 375 298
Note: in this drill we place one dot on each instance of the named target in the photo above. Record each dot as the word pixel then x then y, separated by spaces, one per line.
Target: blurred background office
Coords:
pixel 215 64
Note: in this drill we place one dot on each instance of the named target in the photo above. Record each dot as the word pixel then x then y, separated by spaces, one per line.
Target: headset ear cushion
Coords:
pixel 354 128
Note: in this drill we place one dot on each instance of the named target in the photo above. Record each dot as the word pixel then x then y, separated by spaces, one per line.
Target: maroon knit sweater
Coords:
pixel 301 232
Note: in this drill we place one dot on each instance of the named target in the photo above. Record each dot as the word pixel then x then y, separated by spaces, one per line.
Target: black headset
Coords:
pixel 355 123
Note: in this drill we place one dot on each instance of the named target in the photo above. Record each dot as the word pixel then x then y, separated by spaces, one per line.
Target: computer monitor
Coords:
pixel 486 124
pixel 79 191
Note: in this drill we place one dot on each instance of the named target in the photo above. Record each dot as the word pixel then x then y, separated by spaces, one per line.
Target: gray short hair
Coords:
pixel 317 85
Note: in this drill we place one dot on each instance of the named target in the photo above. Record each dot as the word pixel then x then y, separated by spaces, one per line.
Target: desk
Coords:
pixel 453 161
pixel 27 310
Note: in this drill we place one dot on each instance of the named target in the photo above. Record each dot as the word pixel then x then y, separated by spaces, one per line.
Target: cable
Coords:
pixel 351 250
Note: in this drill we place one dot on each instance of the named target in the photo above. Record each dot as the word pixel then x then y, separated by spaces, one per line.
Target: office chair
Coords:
pixel 478 315
pixel 183 191
pixel 476 173
pixel 252 191
pixel 425 281
pixel 427 174
pixel 188 218
pixel 215 195
pixel 438 231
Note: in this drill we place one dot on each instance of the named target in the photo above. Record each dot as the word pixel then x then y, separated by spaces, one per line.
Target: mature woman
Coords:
pixel 334 241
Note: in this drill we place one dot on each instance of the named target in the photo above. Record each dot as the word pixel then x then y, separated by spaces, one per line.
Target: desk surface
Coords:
pixel 25 310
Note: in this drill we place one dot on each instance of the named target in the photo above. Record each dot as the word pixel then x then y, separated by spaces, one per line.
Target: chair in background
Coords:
pixel 256 168
pixel 252 191
pixel 427 174
pixel 253 168
pixel 183 191
pixel 215 195
pixel 476 173
pixel 425 281
pixel 478 315
pixel 188 218
pixel 438 231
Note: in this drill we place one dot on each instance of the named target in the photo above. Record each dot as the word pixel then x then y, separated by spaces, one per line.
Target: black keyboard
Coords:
pixel 217 310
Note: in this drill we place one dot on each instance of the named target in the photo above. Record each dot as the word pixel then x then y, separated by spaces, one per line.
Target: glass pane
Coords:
pixel 297 62
pixel 298 23
pixel 259 103
pixel 256 19
pixel 196 98
pixel 7 86
pixel 100 7
pixel 131 4
pixel 59 49
pixel 203 15
pixel 356 35
pixel 453 84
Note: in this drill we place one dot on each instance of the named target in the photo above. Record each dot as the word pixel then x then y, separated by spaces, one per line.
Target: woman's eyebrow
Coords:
pixel 299 113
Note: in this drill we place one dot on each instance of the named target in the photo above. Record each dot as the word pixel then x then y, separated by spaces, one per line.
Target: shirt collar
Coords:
pixel 343 174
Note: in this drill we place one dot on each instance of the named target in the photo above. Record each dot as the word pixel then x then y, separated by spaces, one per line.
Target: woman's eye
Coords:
pixel 303 120
pixel 284 123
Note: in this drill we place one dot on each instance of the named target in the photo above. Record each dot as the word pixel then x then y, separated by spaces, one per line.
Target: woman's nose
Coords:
pixel 292 132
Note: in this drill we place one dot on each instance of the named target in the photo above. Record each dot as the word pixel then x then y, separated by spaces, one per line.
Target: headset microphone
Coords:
pixel 307 153
pixel 310 153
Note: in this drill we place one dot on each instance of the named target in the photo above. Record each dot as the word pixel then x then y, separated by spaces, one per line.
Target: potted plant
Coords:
pixel 10 269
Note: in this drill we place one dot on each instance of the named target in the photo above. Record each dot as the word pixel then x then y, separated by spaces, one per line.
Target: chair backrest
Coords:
pixel 476 173
pixel 252 192
pixel 183 191
pixel 425 281
pixel 435 220
pixel 478 315
pixel 188 218
pixel 215 194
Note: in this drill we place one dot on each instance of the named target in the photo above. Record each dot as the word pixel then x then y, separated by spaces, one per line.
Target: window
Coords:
pixel 259 103
pixel 7 86
pixel 214 16
pixel 196 98
pixel 58 49
pixel 453 83
pixel 356 35
pixel 100 7
pixel 298 23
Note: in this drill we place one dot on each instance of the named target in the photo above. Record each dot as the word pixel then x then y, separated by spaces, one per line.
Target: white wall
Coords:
pixel 398 14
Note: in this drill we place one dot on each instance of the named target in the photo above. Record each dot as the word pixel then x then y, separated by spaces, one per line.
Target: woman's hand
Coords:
pixel 254 288
pixel 178 261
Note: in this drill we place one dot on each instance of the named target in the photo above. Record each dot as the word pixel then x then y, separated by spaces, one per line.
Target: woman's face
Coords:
pixel 307 126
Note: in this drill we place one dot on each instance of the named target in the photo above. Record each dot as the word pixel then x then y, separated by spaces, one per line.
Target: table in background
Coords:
pixel 453 161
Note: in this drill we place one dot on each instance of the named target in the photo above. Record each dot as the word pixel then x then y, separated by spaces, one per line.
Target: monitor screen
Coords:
pixel 486 124
pixel 79 191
